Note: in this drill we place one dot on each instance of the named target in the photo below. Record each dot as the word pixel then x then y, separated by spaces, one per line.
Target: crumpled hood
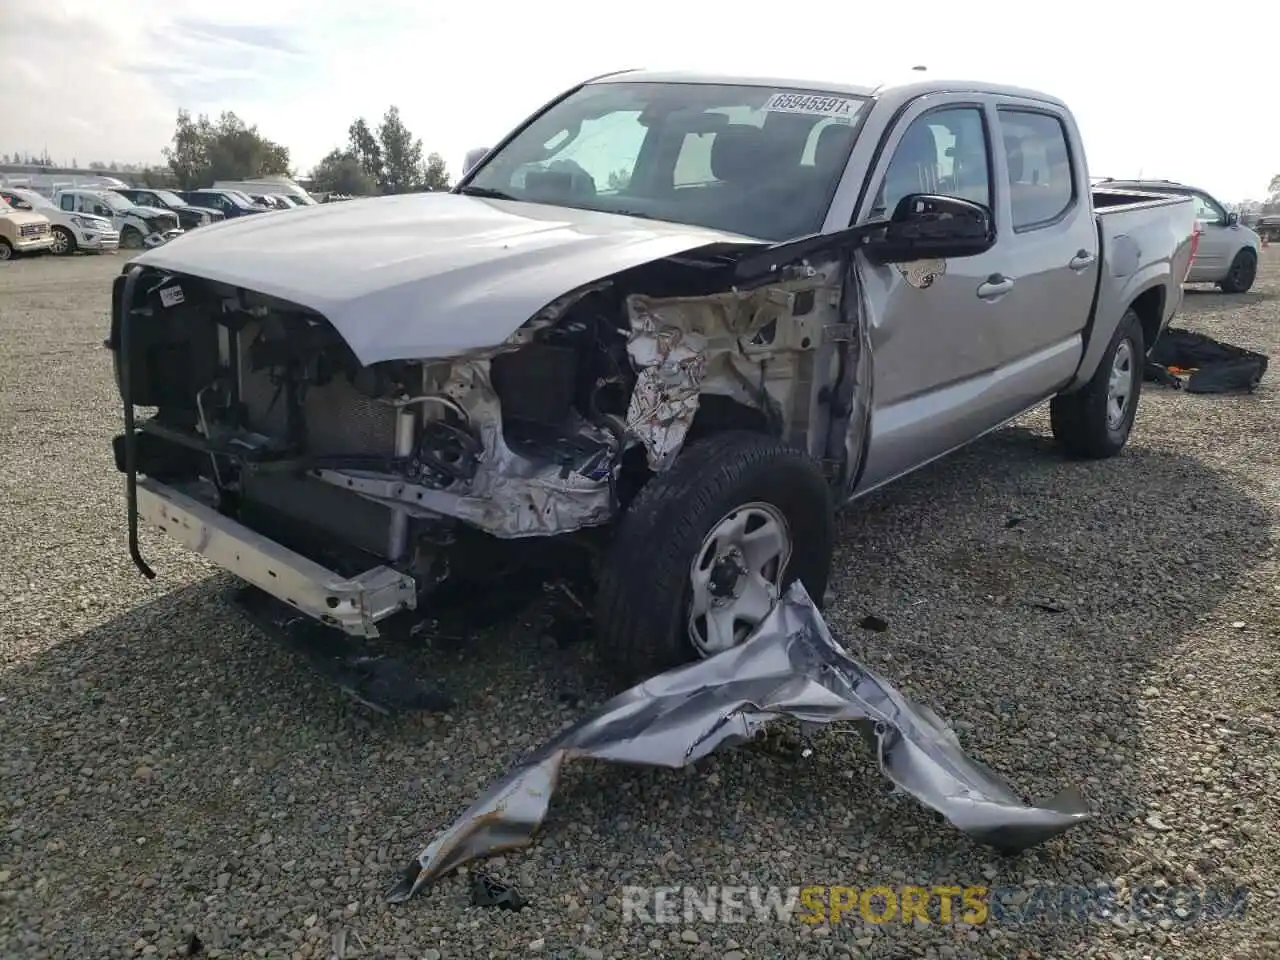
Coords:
pixel 425 275
pixel 150 213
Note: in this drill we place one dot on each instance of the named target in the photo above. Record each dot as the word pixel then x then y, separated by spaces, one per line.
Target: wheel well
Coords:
pixel 1149 306
pixel 717 413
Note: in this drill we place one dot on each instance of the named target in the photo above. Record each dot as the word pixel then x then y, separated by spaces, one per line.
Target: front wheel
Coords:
pixel 1244 270
pixel 706 550
pixel 1095 421
pixel 6 249
pixel 131 239
pixel 63 242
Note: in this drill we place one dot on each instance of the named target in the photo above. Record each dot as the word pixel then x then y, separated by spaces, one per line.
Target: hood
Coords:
pixel 150 213
pixel 425 275
pixel 21 217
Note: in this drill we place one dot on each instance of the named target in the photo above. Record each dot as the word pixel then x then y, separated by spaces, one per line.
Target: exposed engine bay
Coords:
pixel 263 412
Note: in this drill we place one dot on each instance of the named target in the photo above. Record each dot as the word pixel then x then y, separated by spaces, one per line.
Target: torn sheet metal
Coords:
pixel 670 364
pixel 790 667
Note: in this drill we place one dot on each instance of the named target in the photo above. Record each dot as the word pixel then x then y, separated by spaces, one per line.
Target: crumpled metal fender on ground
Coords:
pixel 792 667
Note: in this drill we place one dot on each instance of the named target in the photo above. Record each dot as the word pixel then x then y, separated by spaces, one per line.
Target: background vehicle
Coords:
pixel 139 226
pixel 1228 250
pixel 229 203
pixel 275 186
pixel 70 231
pixel 189 217
pixel 1269 227
pixel 675 361
pixel 272 202
pixel 22 231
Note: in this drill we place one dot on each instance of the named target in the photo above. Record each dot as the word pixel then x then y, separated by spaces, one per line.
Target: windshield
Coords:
pixel 35 199
pixel 170 198
pixel 114 201
pixel 754 160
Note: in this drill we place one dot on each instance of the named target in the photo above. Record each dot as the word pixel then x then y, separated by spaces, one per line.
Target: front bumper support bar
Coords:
pixel 354 605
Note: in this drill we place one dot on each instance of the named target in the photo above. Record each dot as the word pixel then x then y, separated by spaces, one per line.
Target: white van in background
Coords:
pixel 273 186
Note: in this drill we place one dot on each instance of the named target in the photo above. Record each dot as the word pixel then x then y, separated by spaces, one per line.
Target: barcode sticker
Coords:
pixel 171 296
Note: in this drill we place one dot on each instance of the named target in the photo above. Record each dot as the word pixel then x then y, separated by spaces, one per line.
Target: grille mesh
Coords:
pixel 339 419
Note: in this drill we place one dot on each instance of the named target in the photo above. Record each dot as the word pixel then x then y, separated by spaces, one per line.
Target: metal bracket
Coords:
pixel 837 333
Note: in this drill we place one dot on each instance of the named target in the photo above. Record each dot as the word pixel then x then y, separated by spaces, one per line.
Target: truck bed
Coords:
pixel 1140 236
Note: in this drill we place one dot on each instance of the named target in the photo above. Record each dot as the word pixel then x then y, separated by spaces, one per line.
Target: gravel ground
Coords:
pixel 168 772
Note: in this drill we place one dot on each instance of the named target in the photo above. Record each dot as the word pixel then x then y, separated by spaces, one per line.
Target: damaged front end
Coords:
pixel 350 490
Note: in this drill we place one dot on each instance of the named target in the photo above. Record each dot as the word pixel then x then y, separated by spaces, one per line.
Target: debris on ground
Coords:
pixel 1197 363
pixel 487 891
pixel 792 667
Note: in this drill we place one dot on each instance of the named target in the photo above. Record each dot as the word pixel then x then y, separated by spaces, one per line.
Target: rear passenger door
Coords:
pixel 1050 251
pixel 934 326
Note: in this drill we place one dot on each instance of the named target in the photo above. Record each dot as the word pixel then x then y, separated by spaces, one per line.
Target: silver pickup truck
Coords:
pixel 669 324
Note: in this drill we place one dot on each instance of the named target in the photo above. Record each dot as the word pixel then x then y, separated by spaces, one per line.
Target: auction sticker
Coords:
pixel 813 104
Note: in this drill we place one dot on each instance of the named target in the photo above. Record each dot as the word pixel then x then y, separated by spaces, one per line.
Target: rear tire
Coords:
pixel 1244 270
pixel 1095 421
pixel 64 243
pixel 676 545
pixel 131 239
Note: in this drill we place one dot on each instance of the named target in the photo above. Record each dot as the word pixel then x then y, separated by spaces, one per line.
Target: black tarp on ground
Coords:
pixel 1215 367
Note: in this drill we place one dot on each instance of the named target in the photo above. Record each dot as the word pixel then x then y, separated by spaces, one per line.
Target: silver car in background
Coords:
pixel 1228 250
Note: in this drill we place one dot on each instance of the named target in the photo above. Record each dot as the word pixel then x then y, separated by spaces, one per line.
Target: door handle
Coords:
pixel 996 285
pixel 1082 259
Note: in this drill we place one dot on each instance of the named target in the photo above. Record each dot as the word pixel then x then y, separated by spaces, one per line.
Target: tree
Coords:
pixel 203 151
pixel 434 175
pixel 342 172
pixel 366 148
pixel 1273 188
pixel 401 154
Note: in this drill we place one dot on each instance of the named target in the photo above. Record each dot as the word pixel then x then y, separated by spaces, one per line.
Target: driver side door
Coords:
pixel 934 325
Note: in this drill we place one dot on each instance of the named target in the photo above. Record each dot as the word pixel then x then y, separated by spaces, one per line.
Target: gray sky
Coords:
pixel 1155 93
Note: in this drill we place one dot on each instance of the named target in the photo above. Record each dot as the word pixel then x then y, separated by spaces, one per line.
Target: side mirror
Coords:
pixel 472 158
pixel 926 226
pixel 1233 219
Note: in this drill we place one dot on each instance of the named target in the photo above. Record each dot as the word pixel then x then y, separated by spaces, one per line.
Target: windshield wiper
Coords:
pixel 486 192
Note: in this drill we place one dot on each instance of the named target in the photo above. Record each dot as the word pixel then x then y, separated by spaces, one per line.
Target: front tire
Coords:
pixel 131 239
pixel 1095 421
pixel 706 549
pixel 1244 270
pixel 6 249
pixel 64 244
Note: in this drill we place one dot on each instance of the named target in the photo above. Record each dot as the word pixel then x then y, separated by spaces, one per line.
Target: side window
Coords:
pixel 101 210
pixel 943 152
pixel 1208 211
pixel 147 200
pixel 1041 181
pixel 67 201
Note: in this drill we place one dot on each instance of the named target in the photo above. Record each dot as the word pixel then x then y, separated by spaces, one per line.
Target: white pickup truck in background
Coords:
pixel 140 227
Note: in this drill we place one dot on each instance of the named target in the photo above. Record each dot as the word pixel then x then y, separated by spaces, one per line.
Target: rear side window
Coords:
pixel 1041 181
pixel 67 201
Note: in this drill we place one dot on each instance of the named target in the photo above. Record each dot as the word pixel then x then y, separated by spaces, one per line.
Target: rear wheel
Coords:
pixel 6 249
pixel 1095 421
pixel 63 242
pixel 1244 270
pixel 131 238
pixel 706 550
